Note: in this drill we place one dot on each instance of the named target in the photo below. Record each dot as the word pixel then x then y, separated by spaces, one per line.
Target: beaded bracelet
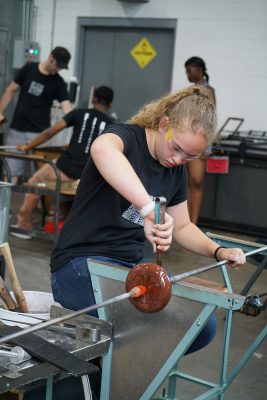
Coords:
pixel 216 251
pixel 146 210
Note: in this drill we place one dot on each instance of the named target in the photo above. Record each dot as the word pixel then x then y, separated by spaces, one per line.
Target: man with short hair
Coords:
pixel 39 84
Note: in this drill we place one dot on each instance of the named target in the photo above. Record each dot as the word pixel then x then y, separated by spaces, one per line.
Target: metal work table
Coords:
pixel 144 350
pixel 147 348
pixel 31 373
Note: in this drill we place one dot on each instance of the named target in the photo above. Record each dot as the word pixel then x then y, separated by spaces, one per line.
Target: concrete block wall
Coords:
pixel 230 35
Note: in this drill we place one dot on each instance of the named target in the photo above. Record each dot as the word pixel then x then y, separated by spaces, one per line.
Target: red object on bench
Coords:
pixel 49 226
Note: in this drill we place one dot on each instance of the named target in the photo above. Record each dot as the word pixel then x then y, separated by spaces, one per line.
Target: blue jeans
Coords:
pixel 72 285
pixel 72 288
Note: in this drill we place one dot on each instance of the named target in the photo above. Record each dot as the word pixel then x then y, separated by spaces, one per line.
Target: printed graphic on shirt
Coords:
pixel 132 214
pixel 85 118
pixel 36 89
pixel 102 126
pixel 86 125
pixel 90 135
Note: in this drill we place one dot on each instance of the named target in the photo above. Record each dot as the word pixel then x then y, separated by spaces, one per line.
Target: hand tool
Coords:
pixel 8 302
pixel 19 295
pixel 160 209
pixel 16 354
pixel 85 332
pixel 157 282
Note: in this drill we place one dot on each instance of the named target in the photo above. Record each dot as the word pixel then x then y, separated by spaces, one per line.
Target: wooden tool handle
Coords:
pixel 8 302
pixel 19 295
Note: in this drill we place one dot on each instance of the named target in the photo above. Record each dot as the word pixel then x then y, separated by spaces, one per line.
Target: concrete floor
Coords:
pixel 31 259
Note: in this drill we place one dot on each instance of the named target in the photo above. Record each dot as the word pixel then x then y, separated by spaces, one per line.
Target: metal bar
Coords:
pixel 49 387
pixel 179 351
pixel 197 271
pixel 206 295
pixel 229 241
pixel 210 394
pixel 240 120
pixel 194 379
pixel 98 296
pixel 172 384
pixel 225 350
pixel 245 245
pixel 254 276
pixel 160 208
pixel 63 318
pixel 226 279
pixel 247 355
pixel 106 373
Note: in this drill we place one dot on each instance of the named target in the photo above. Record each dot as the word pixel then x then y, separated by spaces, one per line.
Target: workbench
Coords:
pixel 147 348
pixel 34 373
pixel 236 201
pixel 58 190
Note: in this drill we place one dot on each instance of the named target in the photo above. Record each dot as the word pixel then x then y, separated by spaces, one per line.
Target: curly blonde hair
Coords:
pixel 191 104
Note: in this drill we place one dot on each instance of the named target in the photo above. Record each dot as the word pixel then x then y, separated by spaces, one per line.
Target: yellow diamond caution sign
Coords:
pixel 143 53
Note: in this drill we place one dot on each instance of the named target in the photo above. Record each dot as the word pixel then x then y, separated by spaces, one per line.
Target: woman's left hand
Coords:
pixel 235 256
pixel 22 147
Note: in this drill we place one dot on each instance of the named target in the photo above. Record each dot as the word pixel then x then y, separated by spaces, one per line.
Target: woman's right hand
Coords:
pixel 22 147
pixel 159 235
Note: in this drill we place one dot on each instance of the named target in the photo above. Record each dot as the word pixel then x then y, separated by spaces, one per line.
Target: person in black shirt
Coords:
pixel 88 124
pixel 113 211
pixel 39 84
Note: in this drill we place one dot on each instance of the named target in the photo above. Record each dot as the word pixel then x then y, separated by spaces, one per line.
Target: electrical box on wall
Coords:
pixel 25 51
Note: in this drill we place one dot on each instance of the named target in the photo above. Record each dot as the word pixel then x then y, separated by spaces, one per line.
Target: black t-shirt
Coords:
pixel 101 221
pixel 88 124
pixel 37 92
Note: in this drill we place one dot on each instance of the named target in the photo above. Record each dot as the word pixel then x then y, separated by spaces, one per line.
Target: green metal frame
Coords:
pixel 169 370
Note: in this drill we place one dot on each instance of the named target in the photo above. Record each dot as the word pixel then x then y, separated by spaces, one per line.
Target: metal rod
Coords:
pixel 7 147
pixel 132 293
pixel 50 322
pixel 197 271
pixel 160 209
pixel 8 353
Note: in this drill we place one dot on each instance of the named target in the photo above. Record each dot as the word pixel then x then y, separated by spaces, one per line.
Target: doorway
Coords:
pixel 133 56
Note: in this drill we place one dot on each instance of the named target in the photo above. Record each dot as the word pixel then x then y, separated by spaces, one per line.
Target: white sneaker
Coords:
pixel 20 233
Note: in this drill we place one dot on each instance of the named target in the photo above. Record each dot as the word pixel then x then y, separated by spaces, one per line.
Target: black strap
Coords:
pixel 216 251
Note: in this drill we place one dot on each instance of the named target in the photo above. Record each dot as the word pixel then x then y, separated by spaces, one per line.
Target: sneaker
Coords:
pixel 20 233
